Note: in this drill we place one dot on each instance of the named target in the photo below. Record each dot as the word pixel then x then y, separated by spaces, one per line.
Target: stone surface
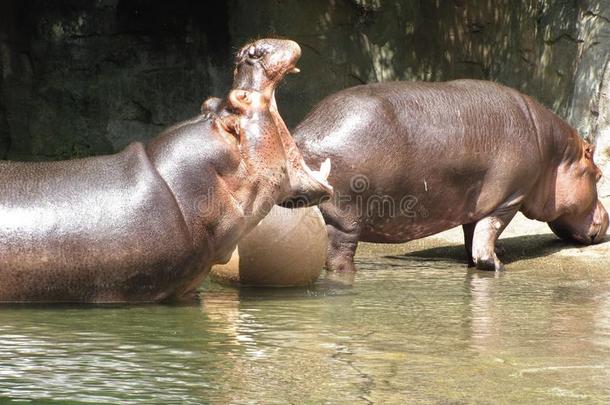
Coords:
pixel 88 77
pixel 286 249
pixel 603 133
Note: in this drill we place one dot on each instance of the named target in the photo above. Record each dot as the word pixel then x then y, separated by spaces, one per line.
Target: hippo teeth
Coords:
pixel 325 169
pixel 322 174
pixel 295 70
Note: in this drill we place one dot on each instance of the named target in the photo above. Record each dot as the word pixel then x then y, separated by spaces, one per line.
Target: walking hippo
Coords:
pixel 414 159
pixel 146 224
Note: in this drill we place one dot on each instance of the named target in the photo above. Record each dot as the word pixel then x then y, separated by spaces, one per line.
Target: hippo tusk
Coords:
pixel 295 70
pixel 322 174
pixel 325 169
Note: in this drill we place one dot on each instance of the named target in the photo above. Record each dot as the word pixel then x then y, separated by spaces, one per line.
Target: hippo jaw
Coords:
pixel 262 64
pixel 307 187
pixel 304 187
pixel 576 212
pixel 298 185
pixel 588 229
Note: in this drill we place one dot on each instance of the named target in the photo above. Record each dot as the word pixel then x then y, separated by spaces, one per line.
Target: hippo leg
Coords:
pixel 343 234
pixel 342 246
pixel 485 235
pixel 468 234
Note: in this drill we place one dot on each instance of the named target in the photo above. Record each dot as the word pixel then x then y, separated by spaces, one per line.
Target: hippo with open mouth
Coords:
pixel 257 68
pixel 147 224
pixel 414 159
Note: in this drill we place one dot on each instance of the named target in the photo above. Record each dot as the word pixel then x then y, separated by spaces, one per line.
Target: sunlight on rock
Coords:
pixel 602 153
pixel 57 31
pixel 369 4
pixel 383 62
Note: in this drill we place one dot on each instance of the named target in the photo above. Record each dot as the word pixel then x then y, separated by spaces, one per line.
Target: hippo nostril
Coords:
pixel 593 235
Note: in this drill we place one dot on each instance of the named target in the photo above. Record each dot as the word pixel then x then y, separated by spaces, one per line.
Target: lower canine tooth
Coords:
pixel 325 169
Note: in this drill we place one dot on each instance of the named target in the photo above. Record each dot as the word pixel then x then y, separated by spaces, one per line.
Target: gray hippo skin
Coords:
pixel 414 159
pixel 147 224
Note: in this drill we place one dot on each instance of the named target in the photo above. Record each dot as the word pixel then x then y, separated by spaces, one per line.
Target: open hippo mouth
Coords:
pixel 321 176
pixel 311 188
pixel 260 66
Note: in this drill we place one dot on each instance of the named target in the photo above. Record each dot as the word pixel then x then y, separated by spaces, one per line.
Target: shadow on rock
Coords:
pixel 510 249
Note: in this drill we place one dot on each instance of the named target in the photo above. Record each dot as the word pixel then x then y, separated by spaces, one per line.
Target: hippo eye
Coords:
pixel 256 52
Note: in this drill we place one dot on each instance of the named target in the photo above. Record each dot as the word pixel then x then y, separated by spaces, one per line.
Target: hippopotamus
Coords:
pixel 411 159
pixel 146 224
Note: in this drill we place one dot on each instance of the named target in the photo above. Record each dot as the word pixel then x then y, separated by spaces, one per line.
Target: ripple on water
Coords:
pixel 405 328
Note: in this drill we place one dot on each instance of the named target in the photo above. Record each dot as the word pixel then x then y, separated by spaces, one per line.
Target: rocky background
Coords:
pixel 85 77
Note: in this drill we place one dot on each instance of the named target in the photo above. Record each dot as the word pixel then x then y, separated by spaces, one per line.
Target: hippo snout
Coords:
pixel 262 64
pixel 588 229
pixel 600 224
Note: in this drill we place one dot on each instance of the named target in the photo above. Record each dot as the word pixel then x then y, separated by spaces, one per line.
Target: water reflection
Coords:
pixel 407 328
pixel 485 333
pixel 100 354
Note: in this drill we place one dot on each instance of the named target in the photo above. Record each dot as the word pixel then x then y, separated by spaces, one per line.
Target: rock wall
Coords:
pixel 590 108
pixel 87 77
pixel 602 131
pixel 531 45
pixel 83 77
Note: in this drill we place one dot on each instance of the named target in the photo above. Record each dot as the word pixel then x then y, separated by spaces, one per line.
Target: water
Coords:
pixel 412 328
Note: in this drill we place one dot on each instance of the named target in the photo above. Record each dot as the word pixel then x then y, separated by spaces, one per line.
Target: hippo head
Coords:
pixel 251 127
pixel 584 218
pixel 260 66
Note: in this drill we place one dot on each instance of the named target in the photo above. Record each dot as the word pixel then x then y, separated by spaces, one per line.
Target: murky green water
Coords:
pixel 415 328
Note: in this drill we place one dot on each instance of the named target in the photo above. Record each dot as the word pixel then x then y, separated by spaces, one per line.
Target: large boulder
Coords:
pixel 286 249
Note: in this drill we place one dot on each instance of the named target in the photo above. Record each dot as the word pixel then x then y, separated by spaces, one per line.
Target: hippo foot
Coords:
pixel 345 267
pixel 339 280
pixel 488 264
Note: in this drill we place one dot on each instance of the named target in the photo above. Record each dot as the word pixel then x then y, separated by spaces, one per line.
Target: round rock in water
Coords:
pixel 287 248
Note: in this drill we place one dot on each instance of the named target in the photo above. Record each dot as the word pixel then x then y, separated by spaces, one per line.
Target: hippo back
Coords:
pixel 471 144
pixel 81 230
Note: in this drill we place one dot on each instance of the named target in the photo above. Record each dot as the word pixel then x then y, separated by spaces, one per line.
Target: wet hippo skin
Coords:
pixel 147 224
pixel 414 159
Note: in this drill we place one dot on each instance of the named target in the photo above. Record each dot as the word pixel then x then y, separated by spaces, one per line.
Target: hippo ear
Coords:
pixel 228 127
pixel 211 105
pixel 589 151
pixel 239 101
